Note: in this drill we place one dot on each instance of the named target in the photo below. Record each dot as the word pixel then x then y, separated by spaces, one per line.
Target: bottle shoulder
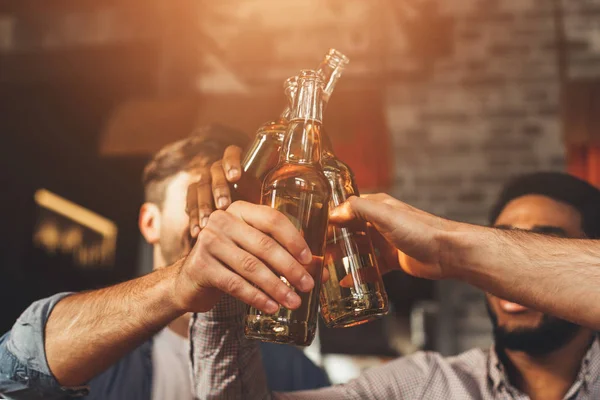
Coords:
pixel 303 176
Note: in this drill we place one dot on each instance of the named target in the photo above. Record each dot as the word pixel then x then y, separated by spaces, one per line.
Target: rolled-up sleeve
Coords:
pixel 24 370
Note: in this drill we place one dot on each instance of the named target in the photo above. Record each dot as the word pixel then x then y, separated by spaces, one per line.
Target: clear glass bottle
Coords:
pixel 263 154
pixel 354 293
pixel 298 188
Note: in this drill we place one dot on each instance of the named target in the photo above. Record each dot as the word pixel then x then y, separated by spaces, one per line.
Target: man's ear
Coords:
pixel 149 222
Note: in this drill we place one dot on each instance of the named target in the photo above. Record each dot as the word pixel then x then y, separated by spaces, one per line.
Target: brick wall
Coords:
pixel 489 111
pixel 582 38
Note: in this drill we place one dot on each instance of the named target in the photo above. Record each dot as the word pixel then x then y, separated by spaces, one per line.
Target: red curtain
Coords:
pixel 355 121
pixel 584 162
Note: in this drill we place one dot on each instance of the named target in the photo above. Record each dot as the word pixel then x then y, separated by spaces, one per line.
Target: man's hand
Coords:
pixel 416 233
pixel 240 252
pixel 212 189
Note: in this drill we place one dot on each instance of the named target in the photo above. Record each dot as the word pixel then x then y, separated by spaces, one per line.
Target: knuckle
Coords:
pixel 216 170
pixel 249 264
pixel 208 237
pixel 240 204
pixel 233 285
pixel 292 268
pixel 235 207
pixel 218 217
pixel 266 243
pixel 220 187
pixel 275 218
pixel 280 290
pixel 258 299
pixel 203 211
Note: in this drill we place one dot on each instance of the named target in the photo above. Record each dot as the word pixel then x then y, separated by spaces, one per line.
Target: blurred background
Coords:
pixel 442 102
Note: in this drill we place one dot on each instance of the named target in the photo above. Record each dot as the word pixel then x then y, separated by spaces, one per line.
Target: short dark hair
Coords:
pixel 203 147
pixel 558 186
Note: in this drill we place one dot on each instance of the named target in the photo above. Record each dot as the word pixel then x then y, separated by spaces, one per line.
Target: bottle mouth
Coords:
pixel 309 75
pixel 336 57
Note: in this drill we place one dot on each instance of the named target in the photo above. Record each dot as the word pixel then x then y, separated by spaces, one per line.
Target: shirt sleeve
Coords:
pixel 24 370
pixel 402 379
pixel 226 365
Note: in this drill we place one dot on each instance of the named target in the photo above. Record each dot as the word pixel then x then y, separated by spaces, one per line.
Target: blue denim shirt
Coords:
pixel 25 374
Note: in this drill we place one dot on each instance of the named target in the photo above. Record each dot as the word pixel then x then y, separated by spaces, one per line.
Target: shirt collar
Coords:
pixel 496 371
pixel 590 366
pixel 588 372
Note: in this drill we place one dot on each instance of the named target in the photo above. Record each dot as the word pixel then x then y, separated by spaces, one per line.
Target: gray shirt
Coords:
pixel 226 366
pixel 171 377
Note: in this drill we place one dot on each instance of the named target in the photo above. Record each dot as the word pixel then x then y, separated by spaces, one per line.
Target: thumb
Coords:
pixel 363 209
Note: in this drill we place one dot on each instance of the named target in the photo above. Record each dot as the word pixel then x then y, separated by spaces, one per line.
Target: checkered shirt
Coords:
pixel 227 366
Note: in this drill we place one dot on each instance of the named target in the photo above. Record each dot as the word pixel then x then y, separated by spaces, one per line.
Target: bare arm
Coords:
pixel 556 276
pixel 88 332
pixel 552 275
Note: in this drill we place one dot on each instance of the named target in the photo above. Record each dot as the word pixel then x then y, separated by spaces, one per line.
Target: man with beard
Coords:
pixel 535 355
pixel 69 340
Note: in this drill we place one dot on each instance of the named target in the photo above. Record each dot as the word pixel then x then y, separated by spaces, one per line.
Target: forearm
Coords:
pixel 552 275
pixel 225 365
pixel 88 332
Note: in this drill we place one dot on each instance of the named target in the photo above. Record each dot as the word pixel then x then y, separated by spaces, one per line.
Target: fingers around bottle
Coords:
pixel 232 163
pixel 236 286
pixel 275 224
pixel 363 209
pixel 220 187
pixel 256 241
pixel 255 271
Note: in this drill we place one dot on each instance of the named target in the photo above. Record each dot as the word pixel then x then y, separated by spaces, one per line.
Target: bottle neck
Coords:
pixel 308 103
pixel 331 70
pixel 330 74
pixel 302 143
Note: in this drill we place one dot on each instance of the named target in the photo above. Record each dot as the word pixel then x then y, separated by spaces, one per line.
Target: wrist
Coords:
pixel 172 288
pixel 460 248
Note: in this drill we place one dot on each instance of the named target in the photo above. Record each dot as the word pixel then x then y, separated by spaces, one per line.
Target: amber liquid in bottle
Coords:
pixel 302 196
pixel 298 188
pixel 259 160
pixel 354 293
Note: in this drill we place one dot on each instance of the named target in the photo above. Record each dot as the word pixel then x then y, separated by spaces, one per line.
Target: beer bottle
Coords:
pixel 263 153
pixel 354 293
pixel 298 188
